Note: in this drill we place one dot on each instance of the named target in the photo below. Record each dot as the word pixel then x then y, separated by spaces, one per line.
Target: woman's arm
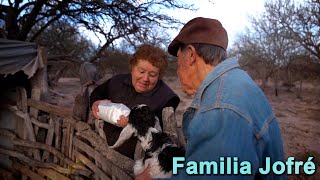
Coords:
pixel 173 102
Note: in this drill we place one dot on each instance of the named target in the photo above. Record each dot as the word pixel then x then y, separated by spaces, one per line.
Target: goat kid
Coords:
pixel 158 146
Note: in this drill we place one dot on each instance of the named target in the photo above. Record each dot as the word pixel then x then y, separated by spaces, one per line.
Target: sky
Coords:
pixel 233 14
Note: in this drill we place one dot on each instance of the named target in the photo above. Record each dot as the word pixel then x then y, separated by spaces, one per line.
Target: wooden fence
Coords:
pixel 69 149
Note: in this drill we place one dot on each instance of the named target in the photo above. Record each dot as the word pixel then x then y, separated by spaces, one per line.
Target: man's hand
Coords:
pixel 95 108
pixel 123 121
pixel 145 175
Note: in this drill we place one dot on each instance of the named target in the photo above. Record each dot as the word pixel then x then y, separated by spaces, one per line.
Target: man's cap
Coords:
pixel 200 30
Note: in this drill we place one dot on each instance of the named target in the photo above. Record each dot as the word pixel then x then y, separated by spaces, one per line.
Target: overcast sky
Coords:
pixel 233 14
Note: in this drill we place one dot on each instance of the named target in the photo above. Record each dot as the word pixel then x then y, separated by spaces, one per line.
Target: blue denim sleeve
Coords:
pixel 216 134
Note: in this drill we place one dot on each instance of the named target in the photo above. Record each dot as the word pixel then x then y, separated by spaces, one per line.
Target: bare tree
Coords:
pixel 303 68
pixel 154 36
pixel 64 40
pixel 114 19
pixel 267 43
pixel 253 56
pixel 282 41
pixel 301 22
pixel 66 47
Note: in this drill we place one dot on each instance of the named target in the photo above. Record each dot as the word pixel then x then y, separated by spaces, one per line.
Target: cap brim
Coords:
pixel 173 47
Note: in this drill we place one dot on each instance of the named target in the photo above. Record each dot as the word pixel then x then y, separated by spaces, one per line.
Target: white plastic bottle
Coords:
pixel 110 112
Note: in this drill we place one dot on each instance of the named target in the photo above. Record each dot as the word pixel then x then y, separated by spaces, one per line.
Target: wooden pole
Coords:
pixel 52 174
pixel 35 163
pixel 57 137
pixel 50 108
pixel 39 82
pixel 29 127
pixel 7 175
pixel 106 165
pixel 63 143
pixel 26 171
pixel 49 139
pixel 22 106
pixel 123 162
pixel 71 134
pixel 37 145
pixel 91 165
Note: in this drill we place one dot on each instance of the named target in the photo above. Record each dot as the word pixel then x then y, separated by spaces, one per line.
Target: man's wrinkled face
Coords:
pixel 185 73
pixel 144 76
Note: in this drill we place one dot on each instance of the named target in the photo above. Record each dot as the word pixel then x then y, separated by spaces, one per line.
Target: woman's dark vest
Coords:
pixel 119 89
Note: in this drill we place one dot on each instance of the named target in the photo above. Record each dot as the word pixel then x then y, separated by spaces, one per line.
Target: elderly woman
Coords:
pixel 142 86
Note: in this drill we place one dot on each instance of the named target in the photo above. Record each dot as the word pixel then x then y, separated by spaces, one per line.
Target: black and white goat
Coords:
pixel 158 146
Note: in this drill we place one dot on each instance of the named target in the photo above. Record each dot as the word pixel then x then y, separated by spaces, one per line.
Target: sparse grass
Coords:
pixel 304 157
pixel 279 114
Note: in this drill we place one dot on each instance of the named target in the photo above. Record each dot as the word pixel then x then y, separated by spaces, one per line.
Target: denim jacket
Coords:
pixel 230 117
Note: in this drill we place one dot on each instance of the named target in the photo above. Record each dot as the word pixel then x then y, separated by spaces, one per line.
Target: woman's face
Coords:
pixel 144 76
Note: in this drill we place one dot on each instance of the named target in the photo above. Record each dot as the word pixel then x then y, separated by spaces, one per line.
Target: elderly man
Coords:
pixel 230 127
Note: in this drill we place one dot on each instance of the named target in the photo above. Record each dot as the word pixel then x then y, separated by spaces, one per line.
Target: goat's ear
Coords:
pixel 157 125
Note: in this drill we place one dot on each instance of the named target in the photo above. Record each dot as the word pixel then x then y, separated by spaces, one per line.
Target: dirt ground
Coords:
pixel 299 119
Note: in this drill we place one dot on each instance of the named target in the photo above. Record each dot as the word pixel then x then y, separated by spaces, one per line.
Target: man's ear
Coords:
pixel 192 55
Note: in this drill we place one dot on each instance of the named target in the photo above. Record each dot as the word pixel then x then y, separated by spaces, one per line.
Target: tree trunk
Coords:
pixel 264 83
pixel 299 92
pixel 276 84
pixel 54 80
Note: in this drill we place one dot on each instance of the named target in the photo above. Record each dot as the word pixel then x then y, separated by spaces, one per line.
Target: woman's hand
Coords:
pixel 123 121
pixel 145 175
pixel 95 108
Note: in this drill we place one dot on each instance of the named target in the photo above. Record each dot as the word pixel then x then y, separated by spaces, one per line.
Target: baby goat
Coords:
pixel 159 148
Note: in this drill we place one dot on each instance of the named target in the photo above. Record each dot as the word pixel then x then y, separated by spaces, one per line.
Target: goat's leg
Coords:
pixel 125 134
pixel 138 167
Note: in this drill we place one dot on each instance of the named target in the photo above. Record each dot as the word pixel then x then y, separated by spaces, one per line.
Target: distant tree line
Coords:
pixel 282 43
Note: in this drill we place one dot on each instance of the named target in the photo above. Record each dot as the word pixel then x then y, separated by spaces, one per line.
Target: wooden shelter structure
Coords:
pixel 39 140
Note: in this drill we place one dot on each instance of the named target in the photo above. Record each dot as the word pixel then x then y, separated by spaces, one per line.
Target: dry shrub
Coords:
pixel 113 62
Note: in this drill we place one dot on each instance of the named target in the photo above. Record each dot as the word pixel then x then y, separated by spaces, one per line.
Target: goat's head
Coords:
pixel 142 118
pixel 141 121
